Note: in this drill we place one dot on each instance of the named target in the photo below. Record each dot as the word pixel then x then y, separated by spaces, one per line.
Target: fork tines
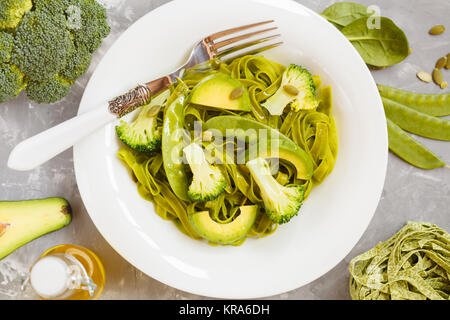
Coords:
pixel 215 46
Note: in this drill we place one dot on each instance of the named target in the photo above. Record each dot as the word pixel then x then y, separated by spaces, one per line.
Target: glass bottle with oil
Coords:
pixel 67 272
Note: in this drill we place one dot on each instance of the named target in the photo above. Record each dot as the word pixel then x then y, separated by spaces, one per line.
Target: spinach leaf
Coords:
pixel 381 47
pixel 343 13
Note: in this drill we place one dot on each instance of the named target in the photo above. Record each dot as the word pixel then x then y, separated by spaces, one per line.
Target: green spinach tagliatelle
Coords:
pixel 313 130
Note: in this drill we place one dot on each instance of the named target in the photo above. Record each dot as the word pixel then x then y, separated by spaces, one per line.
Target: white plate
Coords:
pixel 331 221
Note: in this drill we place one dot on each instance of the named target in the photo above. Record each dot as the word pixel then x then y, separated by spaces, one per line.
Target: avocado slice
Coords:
pixel 216 91
pixel 23 221
pixel 287 149
pixel 226 233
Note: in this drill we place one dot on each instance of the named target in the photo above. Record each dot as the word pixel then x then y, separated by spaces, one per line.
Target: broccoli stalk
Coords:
pixel 281 202
pixel 208 182
pixel 297 89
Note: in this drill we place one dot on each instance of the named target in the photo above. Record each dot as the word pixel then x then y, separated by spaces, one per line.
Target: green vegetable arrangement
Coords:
pixel 46 45
pixel 199 182
pixel 414 265
pixel 416 113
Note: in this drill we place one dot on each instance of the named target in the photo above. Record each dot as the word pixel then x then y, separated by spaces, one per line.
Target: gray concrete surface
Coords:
pixel 410 194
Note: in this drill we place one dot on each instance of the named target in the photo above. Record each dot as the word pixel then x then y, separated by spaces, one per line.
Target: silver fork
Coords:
pixel 40 148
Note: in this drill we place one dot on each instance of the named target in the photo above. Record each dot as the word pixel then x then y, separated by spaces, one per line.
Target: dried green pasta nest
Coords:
pixel 412 265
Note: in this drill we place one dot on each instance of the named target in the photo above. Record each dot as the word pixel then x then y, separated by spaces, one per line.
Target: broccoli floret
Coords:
pixel 51 42
pixel 77 63
pixel 6 45
pixel 142 134
pixel 42 45
pixel 297 89
pixel 49 91
pixel 86 20
pixel 11 81
pixel 208 182
pixel 281 202
pixel 53 6
pixel 12 11
pixel 93 25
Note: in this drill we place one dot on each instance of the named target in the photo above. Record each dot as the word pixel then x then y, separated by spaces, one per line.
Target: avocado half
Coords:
pixel 216 91
pixel 24 221
pixel 226 233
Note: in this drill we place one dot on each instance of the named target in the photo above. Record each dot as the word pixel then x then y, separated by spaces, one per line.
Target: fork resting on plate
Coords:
pixel 40 148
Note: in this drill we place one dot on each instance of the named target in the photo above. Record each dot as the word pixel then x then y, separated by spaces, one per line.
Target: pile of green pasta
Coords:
pixel 313 130
pixel 412 265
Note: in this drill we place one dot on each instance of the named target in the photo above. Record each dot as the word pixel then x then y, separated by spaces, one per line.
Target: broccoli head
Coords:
pixel 51 42
pixel 208 182
pixel 281 203
pixel 11 81
pixel 12 11
pixel 77 63
pixel 48 91
pixel 86 20
pixel 297 89
pixel 92 26
pixel 6 45
pixel 42 45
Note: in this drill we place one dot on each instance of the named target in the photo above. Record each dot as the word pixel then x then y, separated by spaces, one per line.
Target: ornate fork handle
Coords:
pixel 137 97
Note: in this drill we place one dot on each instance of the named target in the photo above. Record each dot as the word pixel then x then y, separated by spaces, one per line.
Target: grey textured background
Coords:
pixel 409 194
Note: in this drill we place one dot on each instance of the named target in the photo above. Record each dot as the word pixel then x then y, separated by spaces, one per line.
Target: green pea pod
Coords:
pixel 417 122
pixel 172 147
pixel 432 104
pixel 410 150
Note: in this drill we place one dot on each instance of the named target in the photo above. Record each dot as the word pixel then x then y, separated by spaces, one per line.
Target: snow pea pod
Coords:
pixel 432 104
pixel 172 147
pixel 417 122
pixel 410 150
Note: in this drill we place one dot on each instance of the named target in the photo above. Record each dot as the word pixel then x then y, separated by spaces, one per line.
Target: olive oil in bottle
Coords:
pixel 67 272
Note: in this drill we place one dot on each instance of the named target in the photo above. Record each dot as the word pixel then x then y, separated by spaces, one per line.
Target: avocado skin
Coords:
pixel 27 220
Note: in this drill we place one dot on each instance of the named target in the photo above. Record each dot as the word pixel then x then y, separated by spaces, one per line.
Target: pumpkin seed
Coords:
pixel 448 61
pixel 437 76
pixel 290 90
pixel 442 62
pixel 424 76
pixel 444 85
pixel 236 93
pixel 437 30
